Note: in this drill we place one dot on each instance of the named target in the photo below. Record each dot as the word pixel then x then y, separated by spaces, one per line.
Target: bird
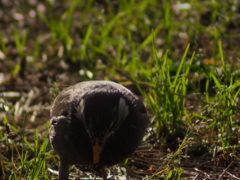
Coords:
pixel 96 123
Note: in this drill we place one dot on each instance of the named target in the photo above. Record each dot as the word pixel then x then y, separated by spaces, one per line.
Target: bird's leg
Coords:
pixel 102 170
pixel 63 170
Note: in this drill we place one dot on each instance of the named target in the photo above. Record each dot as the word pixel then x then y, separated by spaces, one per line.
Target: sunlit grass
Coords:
pixel 182 58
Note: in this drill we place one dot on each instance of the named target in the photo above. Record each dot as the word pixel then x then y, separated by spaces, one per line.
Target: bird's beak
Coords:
pixel 96 152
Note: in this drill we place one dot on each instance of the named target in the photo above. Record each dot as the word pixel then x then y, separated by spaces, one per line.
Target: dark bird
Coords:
pixel 96 123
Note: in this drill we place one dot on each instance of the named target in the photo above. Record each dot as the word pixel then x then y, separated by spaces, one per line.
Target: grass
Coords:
pixel 180 57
